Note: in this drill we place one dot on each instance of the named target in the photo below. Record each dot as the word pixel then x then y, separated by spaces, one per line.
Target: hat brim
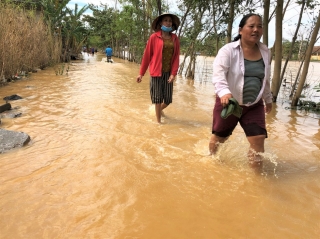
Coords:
pixel 156 22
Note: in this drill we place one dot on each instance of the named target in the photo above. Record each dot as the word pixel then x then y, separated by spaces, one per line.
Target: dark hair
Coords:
pixel 244 21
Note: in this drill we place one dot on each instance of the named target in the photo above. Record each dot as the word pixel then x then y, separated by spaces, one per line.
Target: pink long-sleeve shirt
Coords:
pixel 152 56
pixel 228 73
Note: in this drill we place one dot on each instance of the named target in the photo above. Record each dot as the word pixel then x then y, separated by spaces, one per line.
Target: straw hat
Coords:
pixel 156 22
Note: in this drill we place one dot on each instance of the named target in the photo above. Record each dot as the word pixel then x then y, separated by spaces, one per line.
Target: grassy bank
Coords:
pixel 26 42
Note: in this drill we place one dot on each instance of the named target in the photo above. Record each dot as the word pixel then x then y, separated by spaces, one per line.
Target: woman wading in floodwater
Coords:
pixel 241 71
pixel 161 55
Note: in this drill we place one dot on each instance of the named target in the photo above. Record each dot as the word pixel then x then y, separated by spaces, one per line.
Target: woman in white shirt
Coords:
pixel 241 70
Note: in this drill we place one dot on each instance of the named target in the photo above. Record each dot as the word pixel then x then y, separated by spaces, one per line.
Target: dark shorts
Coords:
pixel 252 120
pixel 160 90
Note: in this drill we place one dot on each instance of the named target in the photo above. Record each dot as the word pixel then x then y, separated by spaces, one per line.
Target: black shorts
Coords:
pixel 160 90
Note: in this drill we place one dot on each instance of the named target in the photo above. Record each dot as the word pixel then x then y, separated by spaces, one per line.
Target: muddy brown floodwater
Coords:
pixel 99 166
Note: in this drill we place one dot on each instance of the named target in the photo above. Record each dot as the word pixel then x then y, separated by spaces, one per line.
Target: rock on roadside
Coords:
pixel 12 139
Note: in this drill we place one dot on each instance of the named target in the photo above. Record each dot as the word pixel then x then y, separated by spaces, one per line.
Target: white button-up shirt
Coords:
pixel 228 73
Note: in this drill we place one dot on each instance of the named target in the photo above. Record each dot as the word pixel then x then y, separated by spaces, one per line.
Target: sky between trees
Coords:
pixel 291 17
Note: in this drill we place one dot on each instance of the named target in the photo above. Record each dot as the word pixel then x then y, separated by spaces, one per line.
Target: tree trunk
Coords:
pixel 181 67
pixel 275 86
pixel 266 6
pixel 292 43
pixel 193 70
pixel 306 63
pixel 217 46
pixel 189 68
pixel 159 7
pixel 230 20
pixel 296 80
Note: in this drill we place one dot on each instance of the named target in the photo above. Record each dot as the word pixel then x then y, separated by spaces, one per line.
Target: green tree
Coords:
pixel 73 31
pixel 54 12
pixel 101 25
pixel 66 24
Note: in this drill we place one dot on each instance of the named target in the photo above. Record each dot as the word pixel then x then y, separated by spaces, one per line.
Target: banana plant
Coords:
pixel 73 31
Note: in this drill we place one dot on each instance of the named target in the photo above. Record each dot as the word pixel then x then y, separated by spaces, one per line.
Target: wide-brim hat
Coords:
pixel 156 22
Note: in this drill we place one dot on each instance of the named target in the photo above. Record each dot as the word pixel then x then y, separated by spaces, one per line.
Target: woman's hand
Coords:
pixel 268 108
pixel 171 79
pixel 139 78
pixel 225 99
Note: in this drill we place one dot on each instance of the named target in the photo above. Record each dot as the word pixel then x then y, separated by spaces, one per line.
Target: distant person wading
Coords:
pixel 108 52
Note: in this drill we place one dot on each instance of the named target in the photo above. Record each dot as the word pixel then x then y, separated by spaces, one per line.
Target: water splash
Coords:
pixel 234 154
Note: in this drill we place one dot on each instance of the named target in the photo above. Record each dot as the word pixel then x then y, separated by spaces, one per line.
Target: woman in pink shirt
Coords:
pixel 241 71
pixel 161 56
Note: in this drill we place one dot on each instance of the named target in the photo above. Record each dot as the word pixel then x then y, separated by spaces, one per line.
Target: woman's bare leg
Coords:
pixel 159 108
pixel 158 112
pixel 163 106
pixel 214 143
pixel 256 147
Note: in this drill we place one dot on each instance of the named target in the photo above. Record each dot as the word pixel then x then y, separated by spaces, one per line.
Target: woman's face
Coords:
pixel 166 21
pixel 252 30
